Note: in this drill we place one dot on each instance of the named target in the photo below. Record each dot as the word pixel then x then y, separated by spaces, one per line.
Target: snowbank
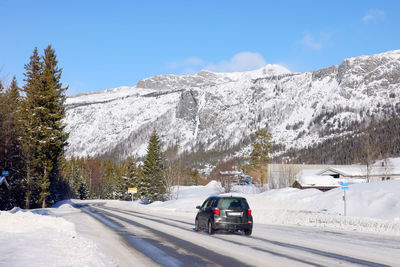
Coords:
pixel 371 207
pixel 29 239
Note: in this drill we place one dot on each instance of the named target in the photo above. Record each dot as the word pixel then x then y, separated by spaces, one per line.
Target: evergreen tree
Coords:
pixel 54 135
pixel 109 180
pixel 83 191
pixel 44 138
pixel 261 153
pixel 12 161
pixel 30 127
pixel 2 120
pixel 72 173
pixel 130 178
pixel 151 186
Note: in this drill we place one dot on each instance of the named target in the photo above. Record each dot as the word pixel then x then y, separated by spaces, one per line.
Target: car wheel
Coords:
pixel 211 230
pixel 248 231
pixel 197 227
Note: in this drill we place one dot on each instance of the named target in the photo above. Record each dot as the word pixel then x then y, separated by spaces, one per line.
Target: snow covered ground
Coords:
pixel 371 207
pixel 42 238
pixel 33 238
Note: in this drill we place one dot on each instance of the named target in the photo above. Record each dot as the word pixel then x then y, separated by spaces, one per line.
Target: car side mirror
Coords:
pixel 198 207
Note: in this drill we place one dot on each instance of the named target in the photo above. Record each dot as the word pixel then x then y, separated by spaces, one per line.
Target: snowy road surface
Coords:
pixel 161 238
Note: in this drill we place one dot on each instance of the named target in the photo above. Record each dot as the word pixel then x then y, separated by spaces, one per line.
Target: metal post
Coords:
pixel 344 199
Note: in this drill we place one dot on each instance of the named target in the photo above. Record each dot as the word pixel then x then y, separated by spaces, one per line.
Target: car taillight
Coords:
pixel 216 211
pixel 249 212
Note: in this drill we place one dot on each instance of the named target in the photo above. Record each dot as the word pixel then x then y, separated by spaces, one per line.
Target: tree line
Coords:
pixel 154 176
pixel 379 139
pixel 32 138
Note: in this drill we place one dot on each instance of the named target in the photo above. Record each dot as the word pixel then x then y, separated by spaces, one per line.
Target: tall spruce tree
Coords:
pixel 152 186
pixel 261 153
pixel 2 122
pixel 30 128
pixel 129 178
pixel 44 139
pixel 12 161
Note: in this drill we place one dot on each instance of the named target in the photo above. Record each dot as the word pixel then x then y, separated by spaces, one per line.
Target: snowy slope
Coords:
pixel 211 110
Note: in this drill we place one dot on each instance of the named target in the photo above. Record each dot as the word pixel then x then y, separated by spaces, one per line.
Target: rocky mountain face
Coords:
pixel 216 111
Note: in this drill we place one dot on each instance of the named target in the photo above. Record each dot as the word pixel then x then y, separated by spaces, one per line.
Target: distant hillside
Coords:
pixel 216 112
pixel 379 140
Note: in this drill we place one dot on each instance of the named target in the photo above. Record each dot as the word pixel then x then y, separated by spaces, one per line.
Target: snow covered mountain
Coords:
pixel 211 110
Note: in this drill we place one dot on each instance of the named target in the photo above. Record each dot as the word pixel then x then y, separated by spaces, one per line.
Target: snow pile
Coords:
pixel 371 207
pixel 44 240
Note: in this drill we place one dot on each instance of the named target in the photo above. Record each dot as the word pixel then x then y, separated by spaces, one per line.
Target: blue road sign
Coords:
pixel 4 173
pixel 345 186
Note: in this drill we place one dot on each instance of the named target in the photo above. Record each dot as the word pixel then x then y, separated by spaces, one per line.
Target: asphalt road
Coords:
pixel 169 240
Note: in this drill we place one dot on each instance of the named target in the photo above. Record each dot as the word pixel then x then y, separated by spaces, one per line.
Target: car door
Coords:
pixel 203 214
pixel 208 212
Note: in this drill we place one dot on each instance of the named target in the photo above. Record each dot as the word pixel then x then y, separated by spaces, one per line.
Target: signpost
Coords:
pixel 132 190
pixel 344 187
pixel 4 173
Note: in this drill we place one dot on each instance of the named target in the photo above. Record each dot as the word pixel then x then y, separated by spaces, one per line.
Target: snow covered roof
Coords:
pixel 344 171
pixel 391 167
pixel 317 181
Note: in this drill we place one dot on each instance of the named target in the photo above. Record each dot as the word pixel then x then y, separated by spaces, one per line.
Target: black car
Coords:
pixel 224 213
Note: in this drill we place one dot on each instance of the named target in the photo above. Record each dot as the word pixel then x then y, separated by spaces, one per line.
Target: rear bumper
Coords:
pixel 233 226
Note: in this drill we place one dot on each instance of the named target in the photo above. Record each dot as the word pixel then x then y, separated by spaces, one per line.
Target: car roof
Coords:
pixel 219 197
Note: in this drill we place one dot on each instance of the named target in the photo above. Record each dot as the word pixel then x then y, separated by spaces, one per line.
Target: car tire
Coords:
pixel 248 232
pixel 211 230
pixel 197 227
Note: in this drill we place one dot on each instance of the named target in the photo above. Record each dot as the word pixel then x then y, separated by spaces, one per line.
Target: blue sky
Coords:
pixel 106 44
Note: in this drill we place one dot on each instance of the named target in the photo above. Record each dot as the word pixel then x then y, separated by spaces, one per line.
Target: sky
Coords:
pixel 106 44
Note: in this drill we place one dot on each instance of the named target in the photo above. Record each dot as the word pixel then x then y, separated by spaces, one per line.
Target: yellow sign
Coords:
pixel 132 190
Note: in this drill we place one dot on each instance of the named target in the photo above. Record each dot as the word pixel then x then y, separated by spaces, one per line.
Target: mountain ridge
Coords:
pixel 209 110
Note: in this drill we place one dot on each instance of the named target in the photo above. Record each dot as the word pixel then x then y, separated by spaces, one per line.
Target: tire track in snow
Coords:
pixel 277 243
pixel 140 215
pixel 162 254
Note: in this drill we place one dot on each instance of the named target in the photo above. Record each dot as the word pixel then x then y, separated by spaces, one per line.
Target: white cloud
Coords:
pixel 310 42
pixel 243 61
pixel 374 15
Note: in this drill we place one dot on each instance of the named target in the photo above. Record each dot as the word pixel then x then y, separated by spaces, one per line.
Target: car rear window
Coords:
pixel 233 204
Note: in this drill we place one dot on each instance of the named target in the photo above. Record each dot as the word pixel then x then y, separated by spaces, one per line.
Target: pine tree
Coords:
pixel 54 135
pixel 83 191
pixel 109 180
pixel 2 120
pixel 130 178
pixel 30 127
pixel 44 138
pixel 151 185
pixel 12 160
pixel 261 153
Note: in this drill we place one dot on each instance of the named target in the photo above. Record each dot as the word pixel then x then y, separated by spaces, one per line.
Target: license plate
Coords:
pixel 232 213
